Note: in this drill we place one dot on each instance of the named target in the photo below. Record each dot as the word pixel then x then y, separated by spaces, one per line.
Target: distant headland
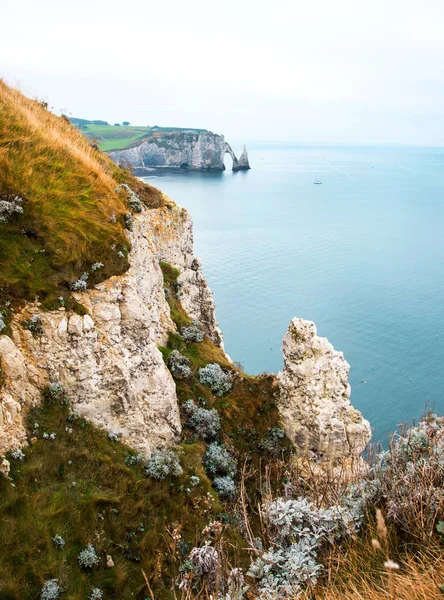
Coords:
pixel 162 147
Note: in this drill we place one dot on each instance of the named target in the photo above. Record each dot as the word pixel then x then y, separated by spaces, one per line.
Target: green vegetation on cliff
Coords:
pixel 72 214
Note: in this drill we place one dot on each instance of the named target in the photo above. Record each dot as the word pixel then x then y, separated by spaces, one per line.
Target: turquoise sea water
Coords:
pixel 362 255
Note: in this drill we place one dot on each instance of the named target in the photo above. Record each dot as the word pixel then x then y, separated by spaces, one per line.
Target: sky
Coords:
pixel 318 71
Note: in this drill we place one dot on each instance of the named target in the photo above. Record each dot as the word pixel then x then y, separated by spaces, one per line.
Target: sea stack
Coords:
pixel 242 162
pixel 314 404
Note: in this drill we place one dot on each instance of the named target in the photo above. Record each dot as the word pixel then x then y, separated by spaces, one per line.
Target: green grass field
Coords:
pixel 110 137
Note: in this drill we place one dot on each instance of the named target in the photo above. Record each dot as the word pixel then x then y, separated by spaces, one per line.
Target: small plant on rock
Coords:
pixel 216 378
pixel 179 366
pixel 163 463
pixel 34 325
pixel 81 284
pixel 192 333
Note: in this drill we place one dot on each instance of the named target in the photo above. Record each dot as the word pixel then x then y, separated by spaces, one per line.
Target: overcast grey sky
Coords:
pixel 360 71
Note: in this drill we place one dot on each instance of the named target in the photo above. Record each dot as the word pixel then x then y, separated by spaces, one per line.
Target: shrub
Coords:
pixel 194 480
pixel 272 441
pixel 133 459
pixel 284 572
pixel 50 590
pixel 17 454
pixel 55 392
pixel 218 462
pixel 88 558
pixel 204 560
pixel 34 324
pixel 192 333
pixel 163 463
pixel 97 265
pixel 58 541
pixel 215 378
pixel 179 366
pixel 134 201
pixel 96 594
pixel 410 477
pixel 205 423
pixel 10 205
pixel 80 285
pixel 129 221
pixel 2 323
pixel 225 487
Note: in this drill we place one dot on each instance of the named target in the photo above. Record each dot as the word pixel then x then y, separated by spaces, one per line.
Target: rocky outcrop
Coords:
pixel 171 237
pixel 242 164
pixel 314 404
pixel 186 149
pixel 108 360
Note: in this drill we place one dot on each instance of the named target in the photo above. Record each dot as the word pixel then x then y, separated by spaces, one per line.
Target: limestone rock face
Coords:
pixel 108 360
pixel 171 236
pixel 189 149
pixel 314 404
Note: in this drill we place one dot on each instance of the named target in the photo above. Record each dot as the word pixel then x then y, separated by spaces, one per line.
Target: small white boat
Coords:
pixel 317 182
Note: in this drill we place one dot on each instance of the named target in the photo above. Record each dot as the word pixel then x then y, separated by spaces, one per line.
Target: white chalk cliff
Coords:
pixel 108 360
pixel 187 149
pixel 314 402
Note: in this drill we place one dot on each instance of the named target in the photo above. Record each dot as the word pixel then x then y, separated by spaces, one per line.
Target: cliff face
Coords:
pixel 108 360
pixel 200 151
pixel 314 403
pixel 109 363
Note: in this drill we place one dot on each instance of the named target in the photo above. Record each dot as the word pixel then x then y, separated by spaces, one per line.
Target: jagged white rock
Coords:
pixel 314 403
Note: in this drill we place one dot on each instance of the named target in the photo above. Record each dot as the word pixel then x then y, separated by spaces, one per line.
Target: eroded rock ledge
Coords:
pixel 314 403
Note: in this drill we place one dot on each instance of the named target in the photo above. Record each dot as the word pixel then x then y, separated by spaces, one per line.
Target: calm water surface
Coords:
pixel 362 255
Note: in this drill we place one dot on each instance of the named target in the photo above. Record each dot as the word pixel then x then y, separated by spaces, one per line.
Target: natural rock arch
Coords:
pixel 240 164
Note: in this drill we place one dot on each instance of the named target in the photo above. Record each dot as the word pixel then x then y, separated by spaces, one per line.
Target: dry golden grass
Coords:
pixel 69 193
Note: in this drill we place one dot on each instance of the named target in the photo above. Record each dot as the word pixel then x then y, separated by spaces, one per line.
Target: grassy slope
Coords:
pixel 69 196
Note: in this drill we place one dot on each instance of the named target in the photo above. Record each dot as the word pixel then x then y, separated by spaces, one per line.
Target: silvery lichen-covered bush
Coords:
pixel 50 590
pixel 133 199
pixel 88 558
pixel 2 322
pixel 192 333
pixel 163 463
pixel 205 423
pixel 218 462
pixel 80 284
pixel 215 378
pixel 225 487
pixel 10 205
pixel 96 594
pixel 179 366
pixel 297 530
pixel 410 476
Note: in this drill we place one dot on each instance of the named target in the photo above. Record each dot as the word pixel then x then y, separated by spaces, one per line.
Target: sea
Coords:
pixel 361 255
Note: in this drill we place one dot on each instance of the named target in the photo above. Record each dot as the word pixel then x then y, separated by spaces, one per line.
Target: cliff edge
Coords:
pixel 184 149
